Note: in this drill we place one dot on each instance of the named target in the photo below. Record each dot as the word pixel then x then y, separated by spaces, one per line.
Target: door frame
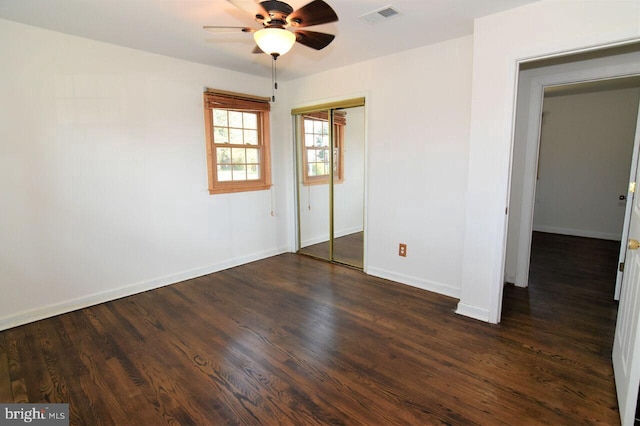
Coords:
pixel 550 76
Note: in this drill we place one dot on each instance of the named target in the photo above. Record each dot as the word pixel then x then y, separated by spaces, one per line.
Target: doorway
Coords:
pixel 330 164
pixel 534 77
pixel 524 179
pixel 585 161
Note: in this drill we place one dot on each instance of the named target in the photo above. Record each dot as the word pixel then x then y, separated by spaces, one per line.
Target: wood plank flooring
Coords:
pixel 293 340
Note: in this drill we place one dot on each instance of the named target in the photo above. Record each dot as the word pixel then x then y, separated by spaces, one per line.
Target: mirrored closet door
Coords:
pixel 330 143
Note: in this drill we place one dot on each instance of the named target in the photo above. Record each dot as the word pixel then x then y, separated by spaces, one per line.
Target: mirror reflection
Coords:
pixel 331 211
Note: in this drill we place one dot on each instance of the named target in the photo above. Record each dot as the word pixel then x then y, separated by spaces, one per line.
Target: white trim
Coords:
pixel 432 286
pixel 527 202
pixel 473 312
pixel 577 232
pixel 26 317
pixel 314 240
pixel 324 238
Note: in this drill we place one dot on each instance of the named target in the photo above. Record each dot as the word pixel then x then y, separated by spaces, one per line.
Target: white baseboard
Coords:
pixel 432 286
pixel 325 237
pixel 349 231
pixel 577 232
pixel 473 312
pixel 37 314
pixel 315 240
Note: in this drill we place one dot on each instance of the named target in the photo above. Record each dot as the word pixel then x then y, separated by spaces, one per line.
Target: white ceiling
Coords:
pixel 174 28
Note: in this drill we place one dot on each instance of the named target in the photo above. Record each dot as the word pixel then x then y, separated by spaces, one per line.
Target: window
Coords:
pixel 237 130
pixel 316 160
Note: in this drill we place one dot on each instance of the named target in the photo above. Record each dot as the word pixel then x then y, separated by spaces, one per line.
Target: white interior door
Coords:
pixel 627 217
pixel 626 345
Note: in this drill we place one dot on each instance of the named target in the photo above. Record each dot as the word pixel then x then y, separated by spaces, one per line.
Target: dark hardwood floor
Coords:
pixel 293 340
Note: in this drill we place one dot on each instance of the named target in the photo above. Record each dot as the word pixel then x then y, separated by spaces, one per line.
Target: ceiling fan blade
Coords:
pixel 226 29
pixel 257 50
pixel 314 39
pixel 315 13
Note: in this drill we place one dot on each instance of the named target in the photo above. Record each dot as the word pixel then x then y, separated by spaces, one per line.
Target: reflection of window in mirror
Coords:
pixel 315 139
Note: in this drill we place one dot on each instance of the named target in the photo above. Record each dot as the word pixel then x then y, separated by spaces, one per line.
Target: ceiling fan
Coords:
pixel 276 17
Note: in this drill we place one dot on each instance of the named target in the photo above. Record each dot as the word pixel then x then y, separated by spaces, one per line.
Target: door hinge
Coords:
pixel 621 267
pixel 632 187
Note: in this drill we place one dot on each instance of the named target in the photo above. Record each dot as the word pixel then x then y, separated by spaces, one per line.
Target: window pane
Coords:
pixel 220 135
pixel 235 136
pixel 321 169
pixel 235 119
pixel 251 137
pixel 223 155
pixel 322 155
pixel 311 155
pixel 220 117
pixel 325 127
pixel 224 173
pixel 308 140
pixel 250 120
pixel 325 140
pixel 317 127
pixel 239 172
pixel 317 141
pixel 253 156
pixel 308 126
pixel 239 156
pixel 253 172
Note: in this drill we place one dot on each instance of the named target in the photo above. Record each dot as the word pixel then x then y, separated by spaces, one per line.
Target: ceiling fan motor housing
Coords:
pixel 278 12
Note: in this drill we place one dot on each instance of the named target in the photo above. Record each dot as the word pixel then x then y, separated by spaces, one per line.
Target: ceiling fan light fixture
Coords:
pixel 274 41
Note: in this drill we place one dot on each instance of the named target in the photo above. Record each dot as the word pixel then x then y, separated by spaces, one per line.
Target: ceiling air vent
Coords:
pixel 379 15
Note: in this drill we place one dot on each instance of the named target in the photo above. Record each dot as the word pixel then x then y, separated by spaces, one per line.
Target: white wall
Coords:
pixel 417 114
pixel 585 157
pixel 500 41
pixel 314 214
pixel 349 195
pixel 103 175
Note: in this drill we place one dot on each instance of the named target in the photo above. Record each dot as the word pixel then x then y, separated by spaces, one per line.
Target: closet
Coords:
pixel 330 158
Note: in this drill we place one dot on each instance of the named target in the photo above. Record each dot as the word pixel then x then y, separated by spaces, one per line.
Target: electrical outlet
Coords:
pixel 402 250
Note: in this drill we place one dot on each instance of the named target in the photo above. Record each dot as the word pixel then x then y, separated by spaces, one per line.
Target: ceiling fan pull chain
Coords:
pixel 273 80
